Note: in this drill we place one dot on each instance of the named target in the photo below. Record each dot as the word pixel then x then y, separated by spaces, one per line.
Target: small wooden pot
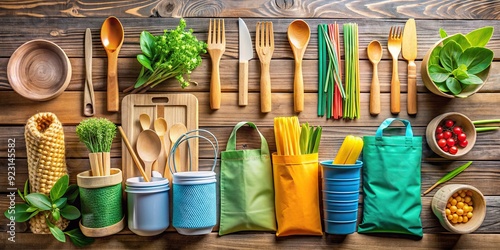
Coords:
pixel 440 200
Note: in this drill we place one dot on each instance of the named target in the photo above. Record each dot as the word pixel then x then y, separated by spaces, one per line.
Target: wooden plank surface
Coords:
pixel 62 23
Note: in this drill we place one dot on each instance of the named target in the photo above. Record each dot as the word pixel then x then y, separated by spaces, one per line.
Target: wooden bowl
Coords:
pixel 460 120
pixel 426 78
pixel 440 200
pixel 39 70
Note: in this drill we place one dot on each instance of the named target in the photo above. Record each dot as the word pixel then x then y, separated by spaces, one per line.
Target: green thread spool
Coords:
pixel 101 200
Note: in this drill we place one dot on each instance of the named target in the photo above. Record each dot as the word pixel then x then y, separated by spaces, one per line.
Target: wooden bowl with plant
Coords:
pixel 458 65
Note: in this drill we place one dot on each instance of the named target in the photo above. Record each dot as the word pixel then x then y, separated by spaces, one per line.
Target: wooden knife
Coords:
pixel 409 51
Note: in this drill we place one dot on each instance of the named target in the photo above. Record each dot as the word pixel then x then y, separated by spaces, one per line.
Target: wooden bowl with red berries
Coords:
pixel 451 135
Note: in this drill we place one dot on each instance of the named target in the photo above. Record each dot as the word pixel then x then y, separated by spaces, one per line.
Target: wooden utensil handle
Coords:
pixel 265 88
pixel 112 91
pixel 298 88
pixel 375 93
pixel 243 83
pixel 395 88
pixel 132 154
pixel 215 90
pixel 412 88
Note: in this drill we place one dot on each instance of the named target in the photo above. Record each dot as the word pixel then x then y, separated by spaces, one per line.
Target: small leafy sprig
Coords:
pixel 97 134
pixel 457 64
pixel 53 207
pixel 176 53
pixel 448 176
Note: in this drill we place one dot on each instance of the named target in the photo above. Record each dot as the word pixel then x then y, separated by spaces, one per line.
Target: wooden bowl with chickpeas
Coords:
pixel 460 208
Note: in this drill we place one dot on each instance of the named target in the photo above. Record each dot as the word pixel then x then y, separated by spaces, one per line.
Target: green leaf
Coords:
pixel 480 37
pixel 449 55
pixel 438 74
pixel 31 209
pixel 476 59
pixel 453 85
pixel 449 176
pixel 70 212
pixel 460 74
pixel 78 238
pixel 304 138
pixel 61 202
pixel 144 61
pixel 472 79
pixel 55 214
pixel 19 213
pixel 72 193
pixel 460 39
pixel 57 232
pixel 434 57
pixel 442 86
pixel 40 201
pixel 59 188
pixel 147 42
pixel 316 139
pixel 442 33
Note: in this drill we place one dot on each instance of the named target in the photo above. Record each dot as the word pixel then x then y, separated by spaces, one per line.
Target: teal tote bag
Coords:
pixel 391 182
pixel 246 187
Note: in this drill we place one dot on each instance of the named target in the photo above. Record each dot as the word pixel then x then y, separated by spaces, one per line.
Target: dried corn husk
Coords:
pixel 45 147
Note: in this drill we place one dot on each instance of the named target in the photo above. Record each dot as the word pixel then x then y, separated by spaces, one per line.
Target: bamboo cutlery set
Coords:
pixel 298 36
pixel 399 41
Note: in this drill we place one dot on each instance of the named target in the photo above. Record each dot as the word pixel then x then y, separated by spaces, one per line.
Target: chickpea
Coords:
pixel 448 211
pixel 453 209
pixel 458 198
pixel 460 211
pixel 469 215
pixel 454 202
pixel 460 219
pixel 465 219
pixel 460 205
pixel 467 199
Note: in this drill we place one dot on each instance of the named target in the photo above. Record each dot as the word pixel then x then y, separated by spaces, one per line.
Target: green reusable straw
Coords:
pixel 321 71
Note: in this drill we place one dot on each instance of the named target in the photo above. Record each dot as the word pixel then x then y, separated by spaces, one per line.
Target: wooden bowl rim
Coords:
pixel 18 86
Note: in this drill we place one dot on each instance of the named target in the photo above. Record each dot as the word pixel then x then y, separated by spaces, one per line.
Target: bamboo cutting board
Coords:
pixel 174 108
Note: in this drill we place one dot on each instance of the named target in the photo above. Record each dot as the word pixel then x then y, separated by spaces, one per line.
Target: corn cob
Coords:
pixel 45 148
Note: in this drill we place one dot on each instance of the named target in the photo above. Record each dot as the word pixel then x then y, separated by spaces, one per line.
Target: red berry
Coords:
pixel 449 123
pixel 461 137
pixel 440 136
pixel 439 130
pixel 450 142
pixel 457 130
pixel 463 143
pixel 442 143
pixel 446 134
pixel 453 150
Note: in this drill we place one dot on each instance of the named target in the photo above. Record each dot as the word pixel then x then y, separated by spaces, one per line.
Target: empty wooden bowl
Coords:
pixel 39 70
pixel 460 120
pixel 440 200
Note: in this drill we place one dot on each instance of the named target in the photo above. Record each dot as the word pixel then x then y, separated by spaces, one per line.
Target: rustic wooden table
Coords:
pixel 65 22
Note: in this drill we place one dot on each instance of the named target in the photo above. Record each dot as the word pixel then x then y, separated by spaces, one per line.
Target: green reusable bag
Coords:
pixel 246 187
pixel 391 182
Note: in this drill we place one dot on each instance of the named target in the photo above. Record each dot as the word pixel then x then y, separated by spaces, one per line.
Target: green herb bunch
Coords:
pixel 174 54
pixel 310 138
pixel 58 204
pixel 458 63
pixel 97 134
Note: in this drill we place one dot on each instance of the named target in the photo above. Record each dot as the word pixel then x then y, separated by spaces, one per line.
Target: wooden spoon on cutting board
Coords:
pixel 148 149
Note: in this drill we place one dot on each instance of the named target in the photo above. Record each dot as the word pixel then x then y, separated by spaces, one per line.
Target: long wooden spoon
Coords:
pixel 148 149
pixel 161 127
pixel 176 131
pixel 112 36
pixel 132 153
pixel 299 34
pixel 374 51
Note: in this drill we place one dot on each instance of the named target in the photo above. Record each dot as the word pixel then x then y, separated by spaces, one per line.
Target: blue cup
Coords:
pixel 148 206
pixel 347 215
pixel 340 205
pixel 340 227
pixel 341 185
pixel 341 171
pixel 340 196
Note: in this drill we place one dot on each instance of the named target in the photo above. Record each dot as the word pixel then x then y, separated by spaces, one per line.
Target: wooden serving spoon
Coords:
pixel 145 121
pixel 176 131
pixel 161 127
pixel 298 34
pixel 112 36
pixel 148 148
pixel 374 51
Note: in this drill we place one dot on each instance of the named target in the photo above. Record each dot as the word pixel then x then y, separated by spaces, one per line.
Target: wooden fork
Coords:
pixel 264 45
pixel 394 46
pixel 216 45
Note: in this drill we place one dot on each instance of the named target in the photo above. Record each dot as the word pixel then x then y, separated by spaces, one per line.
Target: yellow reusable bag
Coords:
pixel 297 194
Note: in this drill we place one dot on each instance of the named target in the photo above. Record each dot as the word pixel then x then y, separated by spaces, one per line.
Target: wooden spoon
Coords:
pixel 176 131
pixel 298 34
pixel 112 36
pixel 132 154
pixel 374 51
pixel 161 129
pixel 148 149
pixel 145 121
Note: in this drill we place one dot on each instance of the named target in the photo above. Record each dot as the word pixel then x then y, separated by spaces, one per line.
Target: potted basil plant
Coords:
pixel 458 65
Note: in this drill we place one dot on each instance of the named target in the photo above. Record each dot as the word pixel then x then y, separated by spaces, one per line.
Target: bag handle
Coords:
pixel 385 124
pixel 231 143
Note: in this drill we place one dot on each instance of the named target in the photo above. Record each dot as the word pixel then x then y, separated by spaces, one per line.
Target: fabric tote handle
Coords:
pixel 385 124
pixel 231 143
